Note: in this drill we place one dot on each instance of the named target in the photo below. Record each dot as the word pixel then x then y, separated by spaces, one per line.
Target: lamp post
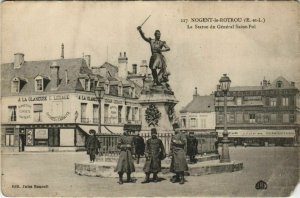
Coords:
pixel 99 92
pixel 224 86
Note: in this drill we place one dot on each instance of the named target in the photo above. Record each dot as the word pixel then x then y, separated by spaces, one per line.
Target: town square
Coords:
pixel 145 105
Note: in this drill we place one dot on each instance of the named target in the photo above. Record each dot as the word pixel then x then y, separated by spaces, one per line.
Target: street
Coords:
pixel 54 174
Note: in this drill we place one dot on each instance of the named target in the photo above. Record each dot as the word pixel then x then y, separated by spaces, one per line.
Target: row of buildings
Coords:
pixel 259 115
pixel 51 104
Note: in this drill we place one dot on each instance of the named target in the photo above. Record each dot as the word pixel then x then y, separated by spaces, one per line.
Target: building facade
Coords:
pixel 260 115
pixel 199 115
pixel 50 105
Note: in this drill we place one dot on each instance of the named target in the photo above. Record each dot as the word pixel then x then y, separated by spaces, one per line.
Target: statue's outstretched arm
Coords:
pixel 142 34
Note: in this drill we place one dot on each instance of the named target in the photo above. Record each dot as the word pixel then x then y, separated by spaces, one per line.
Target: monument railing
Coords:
pixel 109 143
pixel 165 138
pixel 206 142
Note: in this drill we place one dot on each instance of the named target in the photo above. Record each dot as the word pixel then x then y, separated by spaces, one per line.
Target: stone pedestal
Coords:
pixel 157 100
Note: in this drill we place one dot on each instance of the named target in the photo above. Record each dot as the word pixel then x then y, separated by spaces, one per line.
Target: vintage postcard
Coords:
pixel 150 99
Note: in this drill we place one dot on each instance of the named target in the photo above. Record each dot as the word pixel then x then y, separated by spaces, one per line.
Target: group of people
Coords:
pixel 154 154
pixel 132 147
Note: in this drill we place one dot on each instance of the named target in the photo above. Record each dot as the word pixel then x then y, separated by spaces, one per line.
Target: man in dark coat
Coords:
pixel 154 153
pixel 192 147
pixel 125 163
pixel 217 145
pixel 178 151
pixel 92 145
pixel 139 147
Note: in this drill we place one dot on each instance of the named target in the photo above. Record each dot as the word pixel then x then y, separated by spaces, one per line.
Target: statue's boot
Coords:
pixel 147 180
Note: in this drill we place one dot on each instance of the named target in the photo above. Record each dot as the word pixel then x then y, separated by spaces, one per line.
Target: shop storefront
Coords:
pixel 44 138
pixel 261 137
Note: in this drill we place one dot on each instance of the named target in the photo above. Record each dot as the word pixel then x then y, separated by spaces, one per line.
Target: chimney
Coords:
pixel 144 68
pixel 196 93
pixel 122 66
pixel 54 69
pixel 66 76
pixel 62 56
pixel 87 59
pixel 19 60
pixel 264 82
pixel 134 68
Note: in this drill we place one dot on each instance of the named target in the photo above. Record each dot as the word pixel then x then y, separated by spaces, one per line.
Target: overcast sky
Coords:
pixel 197 58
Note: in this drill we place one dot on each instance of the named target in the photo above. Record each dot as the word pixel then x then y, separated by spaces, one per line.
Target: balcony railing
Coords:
pixel 110 120
pixel 114 120
pixel 134 122
pixel 86 120
pixel 96 120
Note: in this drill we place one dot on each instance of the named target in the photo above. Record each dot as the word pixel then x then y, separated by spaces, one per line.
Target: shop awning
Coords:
pixel 104 129
pixel 87 128
pixel 259 133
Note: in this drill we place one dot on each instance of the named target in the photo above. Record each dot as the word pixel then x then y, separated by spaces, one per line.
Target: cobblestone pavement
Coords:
pixel 277 166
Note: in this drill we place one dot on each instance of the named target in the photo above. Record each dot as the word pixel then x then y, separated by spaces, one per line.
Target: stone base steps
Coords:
pixel 202 158
pixel 106 169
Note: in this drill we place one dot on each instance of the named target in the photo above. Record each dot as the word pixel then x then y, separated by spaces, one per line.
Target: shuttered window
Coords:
pixel 37 111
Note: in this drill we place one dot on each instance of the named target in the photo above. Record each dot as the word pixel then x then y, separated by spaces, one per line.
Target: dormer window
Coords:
pixel 87 85
pixel 94 84
pixel 106 87
pixel 40 83
pixel 17 84
pixel 120 89
pixel 130 92
pixel 279 84
pixel 133 92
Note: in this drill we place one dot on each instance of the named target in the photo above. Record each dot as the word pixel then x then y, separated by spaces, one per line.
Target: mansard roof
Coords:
pixel 285 84
pixel 245 88
pixel 200 104
pixel 107 64
pixel 30 69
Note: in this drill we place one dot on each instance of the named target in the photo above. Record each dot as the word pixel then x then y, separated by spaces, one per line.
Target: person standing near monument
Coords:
pixel 125 163
pixel 139 147
pixel 178 151
pixel 157 60
pixel 154 153
pixel 217 144
pixel 192 147
pixel 92 145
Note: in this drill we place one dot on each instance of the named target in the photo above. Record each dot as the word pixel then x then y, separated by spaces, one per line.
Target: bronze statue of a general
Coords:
pixel 157 63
